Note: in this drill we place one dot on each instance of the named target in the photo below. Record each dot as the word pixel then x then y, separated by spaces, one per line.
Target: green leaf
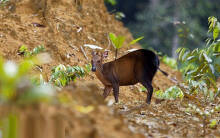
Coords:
pixel 212 23
pixel 190 58
pixel 112 37
pixel 119 41
pixel 119 15
pixel 178 50
pixel 181 53
pixel 37 50
pixel 208 59
pixel 135 41
pixel 23 49
pixel 112 2
pixel 116 41
pixel 195 52
pixel 25 67
pixel 216 32
pixel 201 56
pixel 208 41
pixel 213 123
pixel 185 55
pixel 212 68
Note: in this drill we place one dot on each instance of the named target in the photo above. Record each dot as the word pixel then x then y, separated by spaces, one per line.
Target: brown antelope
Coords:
pixel 137 66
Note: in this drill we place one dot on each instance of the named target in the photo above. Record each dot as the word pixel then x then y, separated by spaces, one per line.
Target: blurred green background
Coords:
pixel 167 24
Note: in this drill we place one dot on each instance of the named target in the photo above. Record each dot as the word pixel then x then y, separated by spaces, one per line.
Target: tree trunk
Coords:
pixel 175 41
pixel 175 45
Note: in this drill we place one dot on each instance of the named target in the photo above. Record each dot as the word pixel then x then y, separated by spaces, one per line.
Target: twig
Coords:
pixel 84 53
pixel 178 83
pixel 204 125
pixel 74 47
pixel 109 41
pixel 39 68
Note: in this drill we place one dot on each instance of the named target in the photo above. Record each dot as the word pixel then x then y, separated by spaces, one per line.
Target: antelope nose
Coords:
pixel 93 69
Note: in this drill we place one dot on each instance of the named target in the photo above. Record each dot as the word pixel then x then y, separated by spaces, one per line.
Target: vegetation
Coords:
pixel 171 93
pixel 3 2
pixel 62 75
pixel 23 50
pixel 118 41
pixel 201 67
pixel 112 2
pixel 168 25
pixel 15 85
pixel 171 62
pixel 18 87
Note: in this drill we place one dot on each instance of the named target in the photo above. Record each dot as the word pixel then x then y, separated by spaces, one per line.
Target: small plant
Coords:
pixel 119 15
pixel 17 89
pixel 112 2
pixel 118 41
pixel 23 50
pixel 62 75
pixel 15 85
pixel 213 123
pixel 171 93
pixel 88 67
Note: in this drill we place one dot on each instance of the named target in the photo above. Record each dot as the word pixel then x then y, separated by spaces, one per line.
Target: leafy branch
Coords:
pixel 63 75
pixel 201 67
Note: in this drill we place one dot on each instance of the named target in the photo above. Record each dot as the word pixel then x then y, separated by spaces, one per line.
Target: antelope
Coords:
pixel 138 66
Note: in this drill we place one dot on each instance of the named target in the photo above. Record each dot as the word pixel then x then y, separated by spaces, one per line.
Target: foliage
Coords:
pixel 9 126
pixel 23 50
pixel 171 93
pixel 118 41
pixel 15 84
pixel 3 2
pixel 119 15
pixel 10 75
pixel 88 67
pixel 171 62
pixel 62 75
pixel 112 2
pixel 84 109
pixel 200 67
pixel 160 21
pixel 16 88
pixel 213 123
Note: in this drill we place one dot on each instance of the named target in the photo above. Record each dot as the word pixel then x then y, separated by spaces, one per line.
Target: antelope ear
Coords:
pixel 105 54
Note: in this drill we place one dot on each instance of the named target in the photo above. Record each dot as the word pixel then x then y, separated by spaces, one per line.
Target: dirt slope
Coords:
pixel 66 25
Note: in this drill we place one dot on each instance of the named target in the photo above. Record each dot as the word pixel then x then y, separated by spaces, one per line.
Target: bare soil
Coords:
pixel 63 27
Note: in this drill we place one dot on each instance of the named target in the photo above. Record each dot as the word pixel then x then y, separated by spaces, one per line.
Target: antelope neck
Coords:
pixel 100 68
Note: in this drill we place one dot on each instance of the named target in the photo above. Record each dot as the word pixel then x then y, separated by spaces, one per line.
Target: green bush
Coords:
pixel 62 75
pixel 171 93
pixel 201 67
pixel 15 85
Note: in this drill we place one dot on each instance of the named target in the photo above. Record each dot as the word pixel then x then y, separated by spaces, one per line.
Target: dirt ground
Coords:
pixel 63 27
